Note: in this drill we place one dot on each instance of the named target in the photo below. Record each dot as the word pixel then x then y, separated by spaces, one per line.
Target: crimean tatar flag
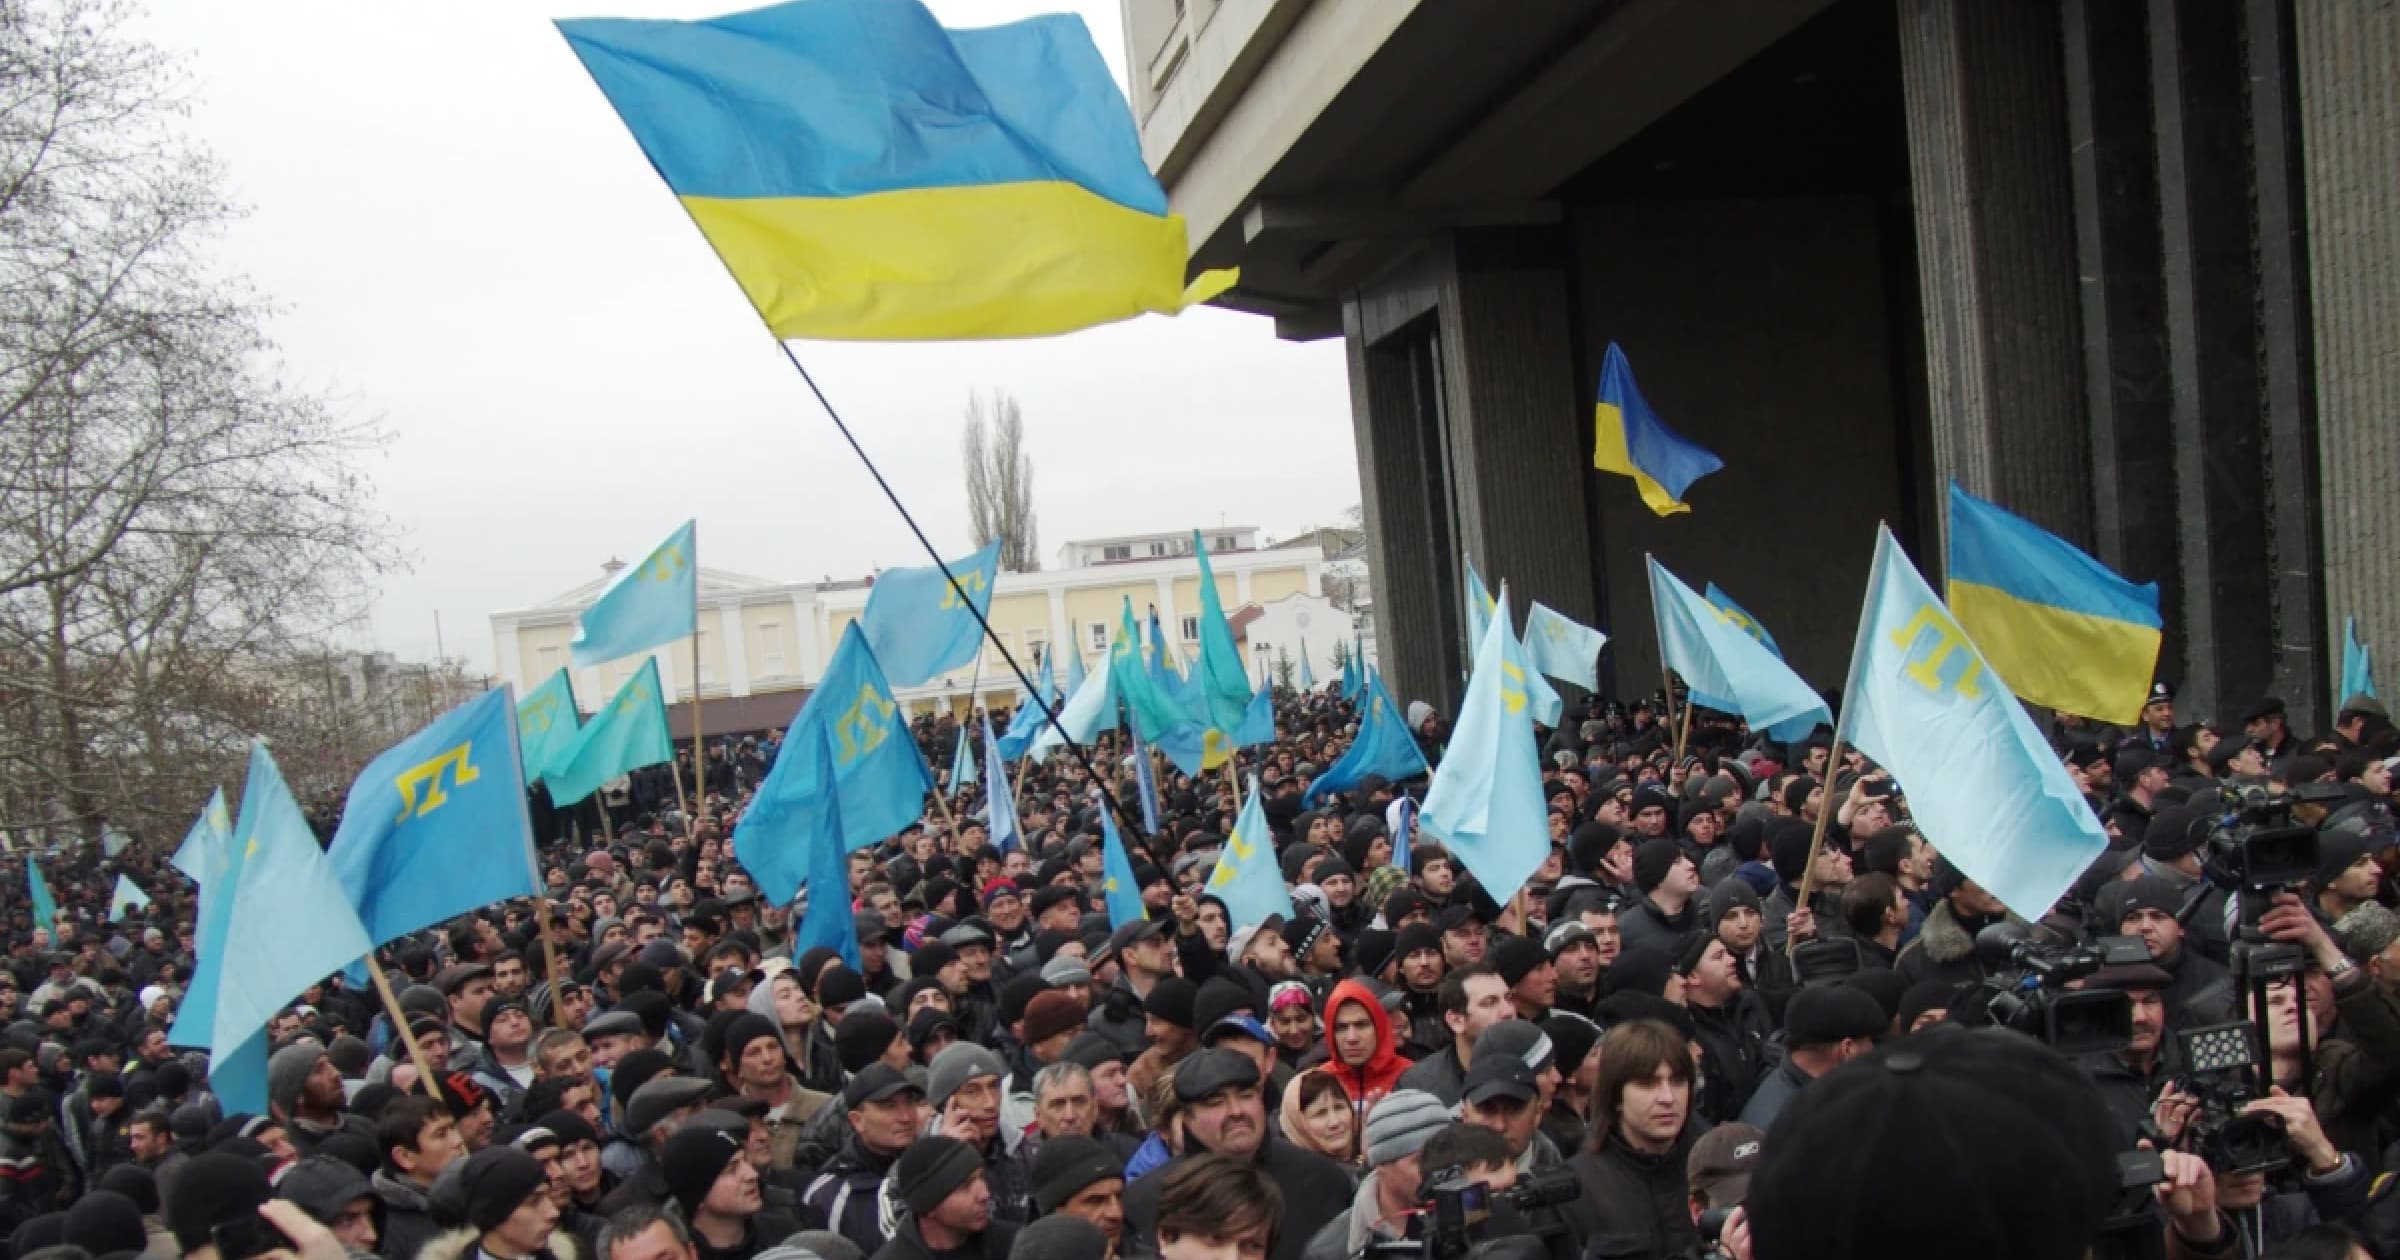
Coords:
pixel 869 176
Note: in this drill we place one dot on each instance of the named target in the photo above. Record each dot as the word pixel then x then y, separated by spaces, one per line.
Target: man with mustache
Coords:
pixel 1224 1113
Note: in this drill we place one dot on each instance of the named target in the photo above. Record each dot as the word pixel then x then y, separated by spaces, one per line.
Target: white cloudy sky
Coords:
pixel 468 246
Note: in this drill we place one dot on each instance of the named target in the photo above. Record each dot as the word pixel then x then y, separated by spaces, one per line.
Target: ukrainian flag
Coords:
pixel 867 175
pixel 1631 441
pixel 2057 625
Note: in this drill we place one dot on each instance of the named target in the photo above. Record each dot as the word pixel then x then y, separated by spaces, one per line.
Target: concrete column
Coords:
pixel 1392 334
pixel 1988 165
pixel 737 649
pixel 808 659
pixel 2348 59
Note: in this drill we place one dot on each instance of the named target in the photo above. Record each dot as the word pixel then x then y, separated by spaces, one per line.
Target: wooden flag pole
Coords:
pixel 699 745
pixel 391 1007
pixel 1816 839
pixel 1683 733
pixel 541 918
pixel 608 829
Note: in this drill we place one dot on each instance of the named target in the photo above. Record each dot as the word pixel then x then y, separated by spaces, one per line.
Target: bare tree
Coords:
pixel 177 522
pixel 1000 481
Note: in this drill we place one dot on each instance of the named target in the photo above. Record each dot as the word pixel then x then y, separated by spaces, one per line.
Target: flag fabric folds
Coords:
pixel 2060 629
pixel 1145 779
pixel 236 1074
pixel 45 906
pixel 1246 877
pixel 1384 747
pixel 1124 895
pixel 127 898
pixel 1982 784
pixel 1725 668
pixel 203 849
pixel 1562 647
pixel 1741 618
pixel 1001 811
pixel 1480 605
pixel 1485 802
pixel 880 776
pixel 645 605
pixel 437 825
pixel 2358 665
pixel 1350 678
pixel 962 759
pixel 1220 669
pixel 1090 708
pixel 1028 721
pixel 866 175
pixel 546 723
pixel 1308 676
pixel 918 625
pixel 1631 441
pixel 1072 681
pixel 1155 710
pixel 829 920
pixel 292 923
pixel 628 732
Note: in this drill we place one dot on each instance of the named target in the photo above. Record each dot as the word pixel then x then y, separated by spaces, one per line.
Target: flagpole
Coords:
pixel 399 1018
pixel 699 746
pixel 541 915
pixel 1816 839
pixel 1683 733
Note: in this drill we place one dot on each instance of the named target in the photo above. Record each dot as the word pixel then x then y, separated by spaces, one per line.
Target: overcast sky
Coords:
pixel 469 247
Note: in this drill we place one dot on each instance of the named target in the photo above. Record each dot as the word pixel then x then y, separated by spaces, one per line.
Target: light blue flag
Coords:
pixel 2358 665
pixel 1404 828
pixel 1091 708
pixel 203 849
pixel 917 624
pixel 1073 682
pixel 1485 802
pixel 1562 647
pixel 292 923
pixel 1002 813
pixel 1145 779
pixel 1350 675
pixel 1116 876
pixel 1981 782
pixel 1028 721
pixel 128 898
pixel 1166 659
pixel 962 759
pixel 1308 677
pixel 829 920
pixel 1258 721
pixel 654 602
pixel 1384 746
pixel 547 720
pixel 628 733
pixel 1480 606
pixel 1741 619
pixel 437 826
pixel 1725 668
pixel 1246 877
pixel 881 777
pixel 45 906
pixel 113 841
pixel 1220 672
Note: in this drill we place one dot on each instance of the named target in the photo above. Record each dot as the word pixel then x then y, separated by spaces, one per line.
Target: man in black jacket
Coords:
pixel 940 1182
pixel 884 1111
pixel 1635 1203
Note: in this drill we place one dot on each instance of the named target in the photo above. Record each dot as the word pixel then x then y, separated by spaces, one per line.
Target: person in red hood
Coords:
pixel 1360 1051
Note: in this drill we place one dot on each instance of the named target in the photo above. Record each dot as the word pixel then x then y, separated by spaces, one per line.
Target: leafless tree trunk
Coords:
pixel 1000 482
pixel 177 523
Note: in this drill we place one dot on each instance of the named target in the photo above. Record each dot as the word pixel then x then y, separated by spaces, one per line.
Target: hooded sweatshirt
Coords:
pixel 1366 1085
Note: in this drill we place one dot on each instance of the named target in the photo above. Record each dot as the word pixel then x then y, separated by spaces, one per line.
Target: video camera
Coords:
pixel 1462 1219
pixel 2027 992
pixel 2220 1062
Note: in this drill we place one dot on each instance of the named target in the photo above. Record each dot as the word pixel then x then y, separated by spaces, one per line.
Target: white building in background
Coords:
pixel 1296 626
pixel 764 643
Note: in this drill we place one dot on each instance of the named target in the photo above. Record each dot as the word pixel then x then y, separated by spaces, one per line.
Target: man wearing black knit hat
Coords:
pixel 510 1213
pixel 718 1191
pixel 752 1059
pixel 1824 1026
pixel 940 1182
pixel 1945 946
pixel 2202 991
pixel 1669 911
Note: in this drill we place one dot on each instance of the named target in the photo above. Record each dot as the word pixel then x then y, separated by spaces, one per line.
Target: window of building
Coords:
pixel 1118 551
pixel 1224 542
pixel 1191 629
pixel 1158 549
pixel 1099 636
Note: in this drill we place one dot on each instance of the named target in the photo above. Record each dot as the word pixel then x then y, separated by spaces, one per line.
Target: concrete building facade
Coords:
pixel 2131 269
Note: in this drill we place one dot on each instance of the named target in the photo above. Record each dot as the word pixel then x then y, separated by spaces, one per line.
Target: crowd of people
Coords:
pixel 1699 1028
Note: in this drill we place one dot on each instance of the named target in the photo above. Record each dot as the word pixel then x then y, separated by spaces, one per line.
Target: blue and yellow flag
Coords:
pixel 2358 665
pixel 829 920
pixel 438 826
pixel 1741 618
pixel 880 775
pixel 45 906
pixel 1562 647
pixel 1090 707
pixel 869 176
pixel 1480 606
pixel 1116 876
pixel 1145 780
pixel 2061 630
pixel 292 923
pixel 1485 802
pixel 1246 877
pixel 1156 710
pixel 1982 783
pixel 202 852
pixel 1384 746
pixel 654 602
pixel 628 732
pixel 918 625
pixel 546 723
pixel 1725 668
pixel 1631 441
pixel 1220 669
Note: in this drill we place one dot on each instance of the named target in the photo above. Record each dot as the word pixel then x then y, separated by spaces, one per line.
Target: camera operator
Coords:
pixel 1398 1127
pixel 2201 991
pixel 1719 1173
pixel 2355 1065
pixel 2214 1214
pixel 2130 1078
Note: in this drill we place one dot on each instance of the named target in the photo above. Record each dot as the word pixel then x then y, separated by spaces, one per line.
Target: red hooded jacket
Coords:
pixel 1366 1086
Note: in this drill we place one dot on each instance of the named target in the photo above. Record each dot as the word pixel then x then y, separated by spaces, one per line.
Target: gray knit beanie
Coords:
pixel 1401 1124
pixel 287 1073
pixel 2367 931
pixel 958 1063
